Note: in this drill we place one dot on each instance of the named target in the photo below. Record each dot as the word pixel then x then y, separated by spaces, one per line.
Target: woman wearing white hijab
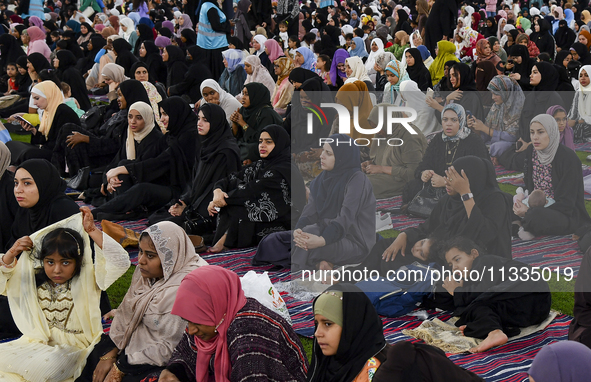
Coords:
pixel 129 34
pixel 415 99
pixel 371 59
pixel 580 112
pixel 261 40
pixel 213 93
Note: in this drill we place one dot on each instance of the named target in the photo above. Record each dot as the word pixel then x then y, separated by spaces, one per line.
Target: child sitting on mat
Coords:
pixel 494 296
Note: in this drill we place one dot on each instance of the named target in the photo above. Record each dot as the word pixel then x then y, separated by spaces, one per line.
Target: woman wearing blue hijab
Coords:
pixel 359 49
pixel 305 58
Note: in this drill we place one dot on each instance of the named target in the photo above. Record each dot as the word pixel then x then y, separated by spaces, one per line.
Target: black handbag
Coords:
pixel 196 224
pixel 80 180
pixel 425 201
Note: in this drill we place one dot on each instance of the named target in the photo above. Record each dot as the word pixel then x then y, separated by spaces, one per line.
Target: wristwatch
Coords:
pixel 245 127
pixel 467 196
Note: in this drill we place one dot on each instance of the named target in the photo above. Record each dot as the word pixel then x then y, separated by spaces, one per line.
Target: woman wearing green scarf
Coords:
pixel 445 52
pixel 255 114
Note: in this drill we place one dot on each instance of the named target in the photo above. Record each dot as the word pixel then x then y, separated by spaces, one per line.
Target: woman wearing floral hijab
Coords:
pixel 256 72
pixel 283 89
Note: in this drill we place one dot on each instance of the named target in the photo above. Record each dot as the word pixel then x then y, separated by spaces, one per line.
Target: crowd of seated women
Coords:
pixel 205 133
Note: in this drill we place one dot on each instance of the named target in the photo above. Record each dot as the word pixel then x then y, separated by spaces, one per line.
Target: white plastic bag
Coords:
pixel 259 287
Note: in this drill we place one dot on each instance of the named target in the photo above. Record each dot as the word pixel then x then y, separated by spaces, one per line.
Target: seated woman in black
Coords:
pixel 494 307
pixel 150 55
pixel 474 207
pixel 556 170
pixel 174 58
pixel 162 178
pixel 124 56
pixel 248 122
pixel 96 148
pixel 65 63
pixel 47 97
pixel 141 141
pixel 193 77
pixel 456 141
pixel 464 91
pixel 8 204
pixel 544 79
pixel 218 158
pixel 255 201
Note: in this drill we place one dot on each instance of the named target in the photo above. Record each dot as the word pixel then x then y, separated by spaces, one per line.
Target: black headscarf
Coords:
pixel 190 36
pixel 417 71
pixel 220 135
pixel 165 32
pixel 524 69
pixel 402 23
pixel 124 56
pixel 362 338
pixel 38 61
pixel 174 54
pixel 490 31
pixel 550 77
pixel 89 29
pixel 328 189
pixel 10 50
pixel 560 56
pixel 66 59
pixel 236 42
pixel 180 115
pixel 564 36
pixel 139 64
pixel 145 34
pixel 53 204
pixel 152 52
pixel 467 82
pixel 260 97
pixel 301 75
pixel 583 52
pixel 24 81
pixel 133 91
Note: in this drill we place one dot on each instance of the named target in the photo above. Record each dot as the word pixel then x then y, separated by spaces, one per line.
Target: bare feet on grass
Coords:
pixel 494 338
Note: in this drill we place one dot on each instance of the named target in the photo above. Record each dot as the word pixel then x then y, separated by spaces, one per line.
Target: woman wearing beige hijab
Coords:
pixel 144 333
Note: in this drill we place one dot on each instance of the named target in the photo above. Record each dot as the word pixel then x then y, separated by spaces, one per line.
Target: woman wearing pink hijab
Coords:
pixel 246 339
pixel 273 50
pixel 37 42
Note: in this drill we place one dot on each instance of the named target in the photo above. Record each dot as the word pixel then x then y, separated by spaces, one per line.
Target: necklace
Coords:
pixel 449 152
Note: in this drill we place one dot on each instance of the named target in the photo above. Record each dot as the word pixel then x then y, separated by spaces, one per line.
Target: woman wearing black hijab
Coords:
pixel 194 76
pixel 581 53
pixel 491 30
pixel 144 33
pixel 361 340
pixel 402 24
pixel 511 39
pixel 188 38
pixel 564 36
pixel 544 79
pixel 124 56
pixel 96 148
pixel 300 75
pixel 522 65
pixel 417 72
pixel 257 200
pixel 174 163
pixel 218 158
pixel 462 79
pixel 542 37
pixel 484 218
pixel 152 58
pixel 10 50
pixel 174 58
pixel 95 44
pixel 67 73
pixel 8 204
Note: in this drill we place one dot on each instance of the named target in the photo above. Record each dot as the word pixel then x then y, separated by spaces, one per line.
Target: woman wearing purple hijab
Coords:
pixel 564 361
pixel 566 132
pixel 337 73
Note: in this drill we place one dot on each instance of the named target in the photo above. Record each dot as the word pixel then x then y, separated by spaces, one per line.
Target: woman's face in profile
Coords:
pixel 25 189
pixel 327 158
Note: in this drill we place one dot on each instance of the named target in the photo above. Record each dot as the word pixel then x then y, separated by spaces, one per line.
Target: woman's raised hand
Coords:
pixel 399 245
pixel 458 182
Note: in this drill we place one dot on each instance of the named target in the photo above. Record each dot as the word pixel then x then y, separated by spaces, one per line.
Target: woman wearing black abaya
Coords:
pixel 48 97
pixel 521 66
pixel 188 38
pixel 65 64
pixel 484 217
pixel 564 36
pixel 124 56
pixel 416 69
pixel 10 50
pixel 150 55
pixel 96 148
pixel 542 37
pixel 8 204
pixel 95 44
pixel 194 76
pixel 174 58
pixel 257 200
pixel 247 123
pixel 402 22
pixel 144 33
pixel 581 53
pixel 441 23
pixel 211 43
pixel 218 158
pixel 159 179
